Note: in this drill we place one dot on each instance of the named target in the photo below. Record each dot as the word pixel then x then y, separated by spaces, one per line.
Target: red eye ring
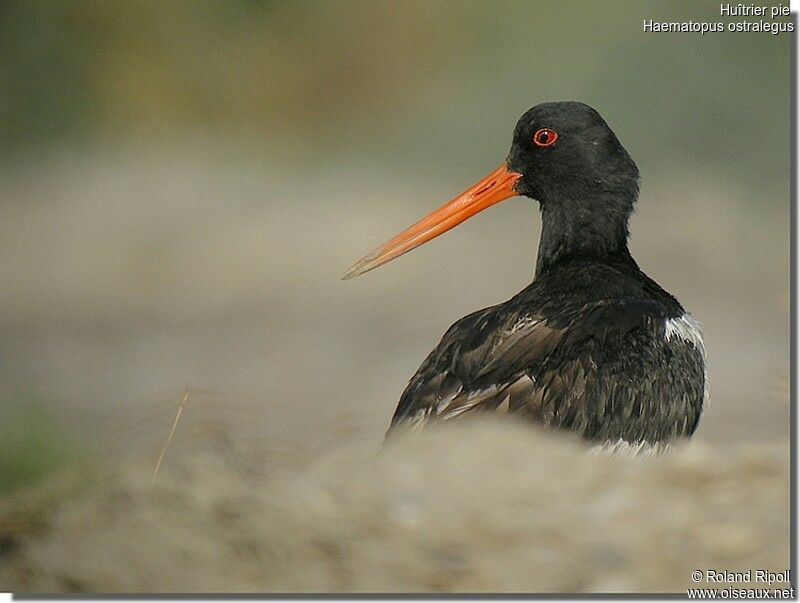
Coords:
pixel 545 137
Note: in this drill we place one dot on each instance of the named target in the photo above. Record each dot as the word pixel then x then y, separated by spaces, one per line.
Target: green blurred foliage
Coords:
pixel 322 79
pixel 32 444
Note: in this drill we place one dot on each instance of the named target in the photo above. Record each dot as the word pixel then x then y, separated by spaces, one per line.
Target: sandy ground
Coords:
pixel 477 507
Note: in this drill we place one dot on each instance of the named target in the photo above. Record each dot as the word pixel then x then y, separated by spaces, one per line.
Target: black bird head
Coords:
pixel 566 152
pixel 564 156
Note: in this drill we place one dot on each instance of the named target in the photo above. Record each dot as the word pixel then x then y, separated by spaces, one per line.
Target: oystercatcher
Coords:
pixel 593 345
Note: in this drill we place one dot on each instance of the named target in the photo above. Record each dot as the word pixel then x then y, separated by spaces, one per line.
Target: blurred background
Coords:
pixel 182 185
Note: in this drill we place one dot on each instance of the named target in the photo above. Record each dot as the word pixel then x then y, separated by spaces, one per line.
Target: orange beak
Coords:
pixel 496 187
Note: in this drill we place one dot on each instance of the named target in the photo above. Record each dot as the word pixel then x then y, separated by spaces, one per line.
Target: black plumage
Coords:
pixel 593 345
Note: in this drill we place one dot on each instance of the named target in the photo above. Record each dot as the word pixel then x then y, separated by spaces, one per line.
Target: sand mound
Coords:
pixel 471 507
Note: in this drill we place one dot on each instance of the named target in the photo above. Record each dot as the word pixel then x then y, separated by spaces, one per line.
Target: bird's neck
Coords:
pixel 596 231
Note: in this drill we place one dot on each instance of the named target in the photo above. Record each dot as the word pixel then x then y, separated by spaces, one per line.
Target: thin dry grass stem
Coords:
pixel 181 404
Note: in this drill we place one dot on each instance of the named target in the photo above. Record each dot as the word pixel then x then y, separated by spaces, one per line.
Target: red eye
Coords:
pixel 545 137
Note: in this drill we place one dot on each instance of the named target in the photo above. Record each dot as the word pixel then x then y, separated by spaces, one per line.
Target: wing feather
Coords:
pixel 479 366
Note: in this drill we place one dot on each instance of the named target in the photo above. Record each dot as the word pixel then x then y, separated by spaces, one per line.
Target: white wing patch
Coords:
pixel 687 328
